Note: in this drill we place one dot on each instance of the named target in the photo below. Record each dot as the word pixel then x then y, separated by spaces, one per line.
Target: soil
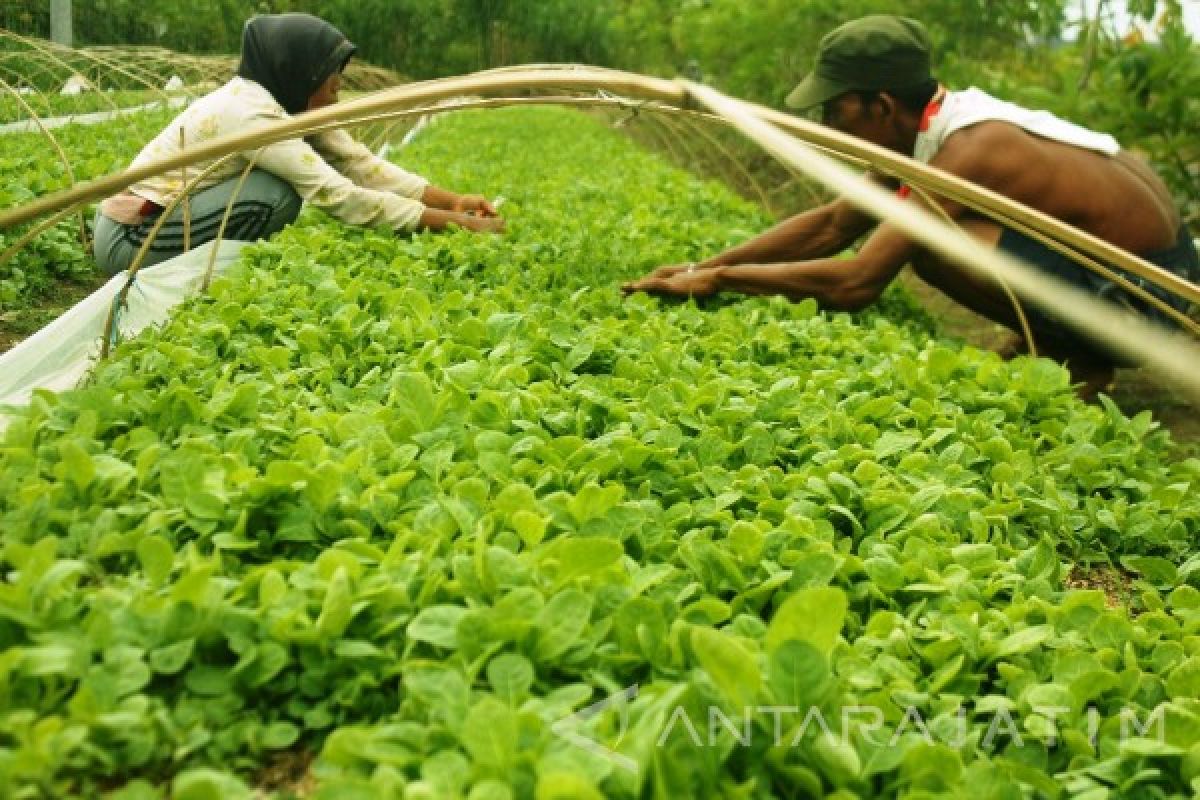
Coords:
pixel 288 773
pixel 1116 585
pixel 21 323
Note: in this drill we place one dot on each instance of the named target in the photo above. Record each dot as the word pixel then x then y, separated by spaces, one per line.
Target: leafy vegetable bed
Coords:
pixel 411 504
pixel 31 168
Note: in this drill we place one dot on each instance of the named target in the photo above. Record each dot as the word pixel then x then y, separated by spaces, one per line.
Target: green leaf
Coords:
pixel 442 690
pixel 279 735
pixel 560 623
pixel 437 625
pixel 208 784
pixel 489 734
pixel 156 557
pixel 77 465
pixel 1158 571
pixel 529 526
pixel 209 681
pixel 511 676
pixel 1183 682
pixel 813 615
pixel 566 786
pixel 731 666
pixel 171 658
pixel 798 675
pixel 338 606
pixel 578 557
pixel 593 502
pixel 1022 641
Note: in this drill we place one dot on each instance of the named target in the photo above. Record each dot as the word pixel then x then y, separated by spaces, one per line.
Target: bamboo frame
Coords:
pixel 657 89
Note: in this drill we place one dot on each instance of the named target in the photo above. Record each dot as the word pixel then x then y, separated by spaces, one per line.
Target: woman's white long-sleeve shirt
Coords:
pixel 330 170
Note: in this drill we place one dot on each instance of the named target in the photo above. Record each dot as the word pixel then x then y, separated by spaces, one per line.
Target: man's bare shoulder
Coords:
pixel 988 149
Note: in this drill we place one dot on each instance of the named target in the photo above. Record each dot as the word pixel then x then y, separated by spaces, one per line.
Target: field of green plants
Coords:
pixel 384 517
pixel 31 169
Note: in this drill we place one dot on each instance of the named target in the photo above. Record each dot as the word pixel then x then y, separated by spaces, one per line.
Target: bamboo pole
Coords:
pixel 1175 357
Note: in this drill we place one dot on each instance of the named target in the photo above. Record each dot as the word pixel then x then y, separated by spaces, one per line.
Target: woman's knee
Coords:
pixel 111 254
pixel 283 199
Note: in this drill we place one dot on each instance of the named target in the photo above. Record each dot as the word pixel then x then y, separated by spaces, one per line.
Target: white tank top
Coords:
pixel 963 109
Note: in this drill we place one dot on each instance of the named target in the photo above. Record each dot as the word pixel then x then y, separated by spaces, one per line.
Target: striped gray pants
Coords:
pixel 264 206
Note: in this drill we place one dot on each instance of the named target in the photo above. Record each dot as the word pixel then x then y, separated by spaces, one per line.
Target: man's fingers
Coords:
pixel 649 284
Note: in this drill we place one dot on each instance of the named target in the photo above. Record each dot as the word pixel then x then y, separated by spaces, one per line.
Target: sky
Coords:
pixel 1123 21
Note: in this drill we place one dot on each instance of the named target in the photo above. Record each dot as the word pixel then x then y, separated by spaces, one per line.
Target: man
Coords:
pixel 872 80
pixel 291 63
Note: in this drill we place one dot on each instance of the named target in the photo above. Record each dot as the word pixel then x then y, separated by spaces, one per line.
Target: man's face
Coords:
pixel 863 115
pixel 327 93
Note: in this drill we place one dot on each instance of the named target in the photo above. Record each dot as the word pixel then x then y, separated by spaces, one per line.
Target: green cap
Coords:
pixel 874 53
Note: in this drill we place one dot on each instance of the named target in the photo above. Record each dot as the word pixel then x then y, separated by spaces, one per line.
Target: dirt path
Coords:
pixel 19 324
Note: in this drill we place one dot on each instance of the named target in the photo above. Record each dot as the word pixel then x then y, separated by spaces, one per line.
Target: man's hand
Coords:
pixel 677 281
pixel 475 204
pixel 666 272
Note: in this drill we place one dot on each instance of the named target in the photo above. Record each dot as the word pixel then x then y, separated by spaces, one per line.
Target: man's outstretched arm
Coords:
pixel 817 233
pixel 846 284
pixel 843 284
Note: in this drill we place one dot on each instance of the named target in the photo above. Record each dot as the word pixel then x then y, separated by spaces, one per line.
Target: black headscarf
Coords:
pixel 290 55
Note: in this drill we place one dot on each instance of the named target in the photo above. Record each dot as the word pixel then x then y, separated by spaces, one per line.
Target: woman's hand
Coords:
pixel 434 219
pixel 475 204
pixel 484 224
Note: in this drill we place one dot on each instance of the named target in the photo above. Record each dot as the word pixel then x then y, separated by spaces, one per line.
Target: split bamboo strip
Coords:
pixel 1018 309
pixel 237 190
pixel 144 250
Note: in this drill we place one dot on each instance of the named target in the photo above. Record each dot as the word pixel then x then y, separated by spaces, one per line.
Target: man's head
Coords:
pixel 872 79
pixel 296 57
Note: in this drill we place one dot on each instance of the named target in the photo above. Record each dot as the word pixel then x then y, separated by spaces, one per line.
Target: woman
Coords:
pixel 290 63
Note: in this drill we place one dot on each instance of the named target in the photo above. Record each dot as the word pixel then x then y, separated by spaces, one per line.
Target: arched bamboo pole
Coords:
pixel 62 156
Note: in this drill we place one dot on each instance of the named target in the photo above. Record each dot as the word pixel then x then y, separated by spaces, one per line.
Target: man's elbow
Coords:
pixel 852 296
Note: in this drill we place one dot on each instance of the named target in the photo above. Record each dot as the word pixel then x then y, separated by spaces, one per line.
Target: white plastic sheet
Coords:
pixel 90 118
pixel 58 356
